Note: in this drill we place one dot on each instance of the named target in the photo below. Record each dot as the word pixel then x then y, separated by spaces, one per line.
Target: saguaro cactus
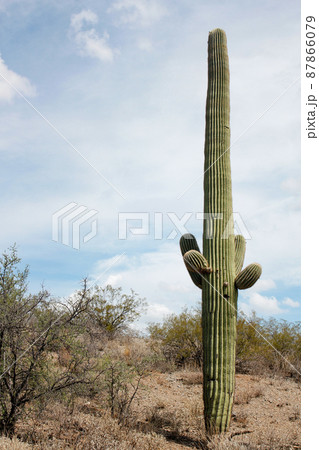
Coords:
pixel 218 270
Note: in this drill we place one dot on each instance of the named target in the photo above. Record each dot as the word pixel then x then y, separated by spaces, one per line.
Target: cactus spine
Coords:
pixel 218 271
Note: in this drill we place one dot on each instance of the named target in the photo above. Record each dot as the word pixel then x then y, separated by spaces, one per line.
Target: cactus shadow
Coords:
pixel 185 440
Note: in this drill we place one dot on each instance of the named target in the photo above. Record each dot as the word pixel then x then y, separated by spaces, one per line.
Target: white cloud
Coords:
pixel 88 41
pixel 173 287
pixel 158 276
pixel 291 185
pixel 138 12
pixel 78 20
pixel 275 231
pixel 144 44
pixel 292 303
pixel 8 79
pixel 108 265
pixel 156 312
pixel 261 305
pixel 114 279
pixel 263 285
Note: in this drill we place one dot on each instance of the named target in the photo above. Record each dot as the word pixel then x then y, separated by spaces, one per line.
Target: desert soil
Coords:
pixel 167 414
pixel 266 411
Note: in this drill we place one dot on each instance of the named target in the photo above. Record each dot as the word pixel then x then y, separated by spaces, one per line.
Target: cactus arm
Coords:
pixel 248 277
pixel 187 243
pixel 240 249
pixel 196 262
pixel 196 278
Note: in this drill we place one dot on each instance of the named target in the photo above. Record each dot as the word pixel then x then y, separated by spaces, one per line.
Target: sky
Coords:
pixel 102 105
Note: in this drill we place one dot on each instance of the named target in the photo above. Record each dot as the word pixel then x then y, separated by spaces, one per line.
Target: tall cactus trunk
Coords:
pixel 219 297
pixel 218 270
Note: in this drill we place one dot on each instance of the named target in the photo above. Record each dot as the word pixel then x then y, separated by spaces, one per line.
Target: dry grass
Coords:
pixel 240 419
pixel 191 378
pixel 167 414
pixel 244 397
pixel 13 444
pixel 86 428
pixel 161 421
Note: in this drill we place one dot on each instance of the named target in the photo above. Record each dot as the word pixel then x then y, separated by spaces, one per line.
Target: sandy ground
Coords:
pixel 266 410
pixel 167 414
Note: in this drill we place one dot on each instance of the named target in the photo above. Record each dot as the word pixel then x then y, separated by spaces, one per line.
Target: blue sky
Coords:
pixel 124 82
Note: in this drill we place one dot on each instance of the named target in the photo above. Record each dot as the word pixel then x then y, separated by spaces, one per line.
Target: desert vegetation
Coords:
pixel 74 375
pixel 263 346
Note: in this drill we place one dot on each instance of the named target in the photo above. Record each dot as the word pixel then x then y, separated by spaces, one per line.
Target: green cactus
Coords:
pixel 196 262
pixel 188 242
pixel 218 271
pixel 240 249
pixel 248 277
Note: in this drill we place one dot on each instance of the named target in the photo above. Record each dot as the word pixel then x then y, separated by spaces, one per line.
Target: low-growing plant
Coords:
pixel 263 345
pixel 244 397
pixel 191 377
pixel 268 345
pixel 121 381
pixel 163 421
pixel 180 337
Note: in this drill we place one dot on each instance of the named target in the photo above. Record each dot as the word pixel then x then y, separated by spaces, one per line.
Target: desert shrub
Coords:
pixel 34 329
pixel 121 380
pixel 268 345
pixel 112 311
pixel 286 338
pixel 118 378
pixel 262 345
pixel 180 337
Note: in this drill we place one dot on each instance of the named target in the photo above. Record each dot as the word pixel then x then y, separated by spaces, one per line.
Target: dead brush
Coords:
pixel 196 409
pixel 244 397
pixel 64 357
pixel 13 444
pixel 240 418
pixel 295 415
pixel 127 353
pixel 161 381
pixel 160 420
pixel 191 378
pixel 196 415
pixel 273 440
pixel 220 442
